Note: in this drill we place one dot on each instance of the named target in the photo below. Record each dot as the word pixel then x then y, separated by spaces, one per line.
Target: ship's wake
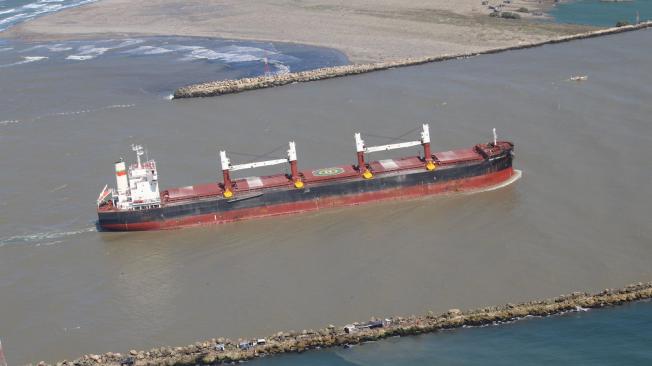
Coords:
pixel 43 238
pixel 516 176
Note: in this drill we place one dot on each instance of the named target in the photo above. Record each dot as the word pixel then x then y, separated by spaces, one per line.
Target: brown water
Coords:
pixel 578 219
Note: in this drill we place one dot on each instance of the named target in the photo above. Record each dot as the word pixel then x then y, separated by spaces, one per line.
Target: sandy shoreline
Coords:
pixel 365 30
pixel 221 87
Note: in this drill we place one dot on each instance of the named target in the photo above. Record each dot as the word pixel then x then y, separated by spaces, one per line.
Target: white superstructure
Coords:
pixel 136 185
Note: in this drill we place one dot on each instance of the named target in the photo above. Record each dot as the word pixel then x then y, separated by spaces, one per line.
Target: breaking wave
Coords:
pixel 19 14
pixel 87 52
pixel 26 60
pixel 148 50
pixel 173 49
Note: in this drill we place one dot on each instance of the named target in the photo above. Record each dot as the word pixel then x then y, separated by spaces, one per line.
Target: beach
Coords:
pixel 365 30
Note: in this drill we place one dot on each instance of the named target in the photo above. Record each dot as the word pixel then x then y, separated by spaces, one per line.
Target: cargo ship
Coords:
pixel 136 203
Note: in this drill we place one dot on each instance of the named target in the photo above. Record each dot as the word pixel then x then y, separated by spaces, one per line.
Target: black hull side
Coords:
pixel 121 220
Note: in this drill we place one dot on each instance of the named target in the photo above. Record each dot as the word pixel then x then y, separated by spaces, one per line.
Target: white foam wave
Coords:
pixel 12 19
pixel 148 50
pixel 208 54
pixel 83 111
pixel 33 10
pixel 516 176
pixel 44 238
pixel 48 243
pixel 9 122
pixel 87 52
pixel 8 11
pixel 128 43
pixel 26 60
pixel 6 49
pixel 281 69
pixel 59 47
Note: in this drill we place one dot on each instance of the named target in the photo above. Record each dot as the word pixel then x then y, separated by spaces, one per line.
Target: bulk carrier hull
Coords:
pixel 481 167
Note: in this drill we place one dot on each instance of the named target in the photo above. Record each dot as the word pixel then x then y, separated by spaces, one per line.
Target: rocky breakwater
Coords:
pixel 220 87
pixel 224 350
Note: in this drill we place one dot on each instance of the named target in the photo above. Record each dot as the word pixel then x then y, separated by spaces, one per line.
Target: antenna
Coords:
pixel 495 137
pixel 139 152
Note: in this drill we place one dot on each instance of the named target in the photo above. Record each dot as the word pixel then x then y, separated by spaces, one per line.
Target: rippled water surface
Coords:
pixel 578 219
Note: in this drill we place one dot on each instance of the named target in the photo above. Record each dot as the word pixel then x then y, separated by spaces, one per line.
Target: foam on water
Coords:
pixel 42 238
pixel 87 52
pixel 67 113
pixel 9 122
pixel 91 51
pixel 281 69
pixel 26 60
pixel 516 176
pixel 208 54
pixel 128 43
pixel 83 111
pixel 59 47
pixel 201 49
pixel 35 9
pixel 148 50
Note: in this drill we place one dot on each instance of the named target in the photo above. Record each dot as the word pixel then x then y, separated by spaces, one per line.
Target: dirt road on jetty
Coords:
pixel 221 87
pixel 221 350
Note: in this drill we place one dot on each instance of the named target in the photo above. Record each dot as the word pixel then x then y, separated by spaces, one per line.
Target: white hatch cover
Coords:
pixel 254 182
pixel 388 164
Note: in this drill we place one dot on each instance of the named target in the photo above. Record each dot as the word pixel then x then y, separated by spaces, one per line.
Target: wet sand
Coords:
pixel 365 30
pixel 577 220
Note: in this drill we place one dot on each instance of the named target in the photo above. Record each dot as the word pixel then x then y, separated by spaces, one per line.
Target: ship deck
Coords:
pixel 248 186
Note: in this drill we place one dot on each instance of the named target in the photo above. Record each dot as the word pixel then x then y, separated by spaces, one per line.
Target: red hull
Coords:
pixel 461 185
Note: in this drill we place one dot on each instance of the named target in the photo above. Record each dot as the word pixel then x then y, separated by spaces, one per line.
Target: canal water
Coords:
pixel 578 219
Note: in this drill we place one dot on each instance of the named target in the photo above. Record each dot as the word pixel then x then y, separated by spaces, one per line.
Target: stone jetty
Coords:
pixel 224 350
pixel 221 87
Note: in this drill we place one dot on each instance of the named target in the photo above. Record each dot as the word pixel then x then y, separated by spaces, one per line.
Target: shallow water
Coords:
pixel 614 336
pixel 17 11
pixel 601 13
pixel 578 219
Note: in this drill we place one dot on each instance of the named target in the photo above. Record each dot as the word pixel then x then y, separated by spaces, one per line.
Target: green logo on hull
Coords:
pixel 325 172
